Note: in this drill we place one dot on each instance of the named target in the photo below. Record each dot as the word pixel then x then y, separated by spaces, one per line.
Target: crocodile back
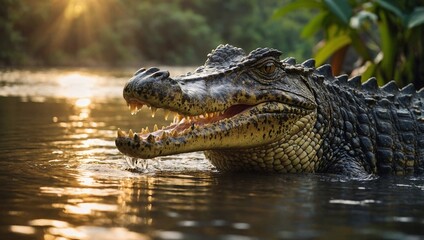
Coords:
pixel 399 129
pixel 383 125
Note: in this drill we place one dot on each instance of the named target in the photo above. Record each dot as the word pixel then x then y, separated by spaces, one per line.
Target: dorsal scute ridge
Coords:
pixel 325 70
pixel 290 61
pixel 355 82
pixel 420 93
pixel 408 89
pixel 342 78
pixel 390 87
pixel 310 63
pixel 370 85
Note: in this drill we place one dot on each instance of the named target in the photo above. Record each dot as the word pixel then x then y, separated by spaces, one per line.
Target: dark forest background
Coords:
pixel 117 32
pixel 371 38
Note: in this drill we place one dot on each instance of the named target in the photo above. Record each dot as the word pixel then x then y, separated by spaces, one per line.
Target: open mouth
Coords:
pixel 181 125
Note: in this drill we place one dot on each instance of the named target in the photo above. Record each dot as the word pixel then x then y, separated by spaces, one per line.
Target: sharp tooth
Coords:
pixel 163 127
pixel 133 108
pixel 138 108
pixel 136 137
pixel 180 117
pixel 120 133
pixel 164 135
pixel 153 111
pixel 145 131
pixel 166 114
pixel 155 128
pixel 174 133
pixel 206 115
pixel 131 133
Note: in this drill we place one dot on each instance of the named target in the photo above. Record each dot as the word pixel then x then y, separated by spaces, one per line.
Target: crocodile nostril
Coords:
pixel 161 74
pixel 139 71
pixel 151 70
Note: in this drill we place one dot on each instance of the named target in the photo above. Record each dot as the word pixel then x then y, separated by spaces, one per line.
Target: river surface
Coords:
pixel 61 177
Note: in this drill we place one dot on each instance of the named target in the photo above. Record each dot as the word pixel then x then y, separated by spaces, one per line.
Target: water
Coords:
pixel 62 178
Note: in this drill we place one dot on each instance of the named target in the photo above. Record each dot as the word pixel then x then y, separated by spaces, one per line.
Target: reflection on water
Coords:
pixel 62 178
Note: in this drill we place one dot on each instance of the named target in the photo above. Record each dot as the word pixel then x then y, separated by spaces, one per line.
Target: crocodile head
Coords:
pixel 247 112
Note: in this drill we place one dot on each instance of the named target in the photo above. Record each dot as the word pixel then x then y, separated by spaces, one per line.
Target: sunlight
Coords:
pixel 75 8
pixel 82 102
pixel 89 208
pixel 22 229
pixel 76 85
pixel 86 181
pixel 77 20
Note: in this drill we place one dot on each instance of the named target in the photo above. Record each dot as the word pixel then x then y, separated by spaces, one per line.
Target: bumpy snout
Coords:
pixel 188 94
pixel 148 83
pixel 153 86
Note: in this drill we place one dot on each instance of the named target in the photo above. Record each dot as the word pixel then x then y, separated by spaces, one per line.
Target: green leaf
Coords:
pixel 389 47
pixel 296 5
pixel 341 9
pixel 416 17
pixel 360 46
pixel 330 47
pixel 391 6
pixel 313 25
pixel 369 70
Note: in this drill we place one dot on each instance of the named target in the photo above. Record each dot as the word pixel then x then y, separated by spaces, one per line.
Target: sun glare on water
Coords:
pixel 77 85
pixel 83 102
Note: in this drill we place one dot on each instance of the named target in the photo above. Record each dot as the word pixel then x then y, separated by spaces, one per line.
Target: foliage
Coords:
pixel 115 32
pixel 387 36
pixel 10 38
pixel 177 36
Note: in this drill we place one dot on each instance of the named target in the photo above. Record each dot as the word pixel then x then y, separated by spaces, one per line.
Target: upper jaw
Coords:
pixel 188 96
pixel 198 96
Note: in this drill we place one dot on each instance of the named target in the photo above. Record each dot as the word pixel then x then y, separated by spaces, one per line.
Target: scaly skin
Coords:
pixel 256 113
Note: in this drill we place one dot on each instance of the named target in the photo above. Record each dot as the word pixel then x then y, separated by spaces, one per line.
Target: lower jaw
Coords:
pixel 199 137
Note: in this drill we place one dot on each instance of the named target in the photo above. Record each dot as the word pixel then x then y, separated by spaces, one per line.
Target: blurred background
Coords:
pixel 64 63
pixel 382 38
pixel 114 32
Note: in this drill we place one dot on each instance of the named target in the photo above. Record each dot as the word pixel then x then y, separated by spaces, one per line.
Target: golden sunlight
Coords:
pixel 76 85
pixel 75 8
pixel 83 102
pixel 73 27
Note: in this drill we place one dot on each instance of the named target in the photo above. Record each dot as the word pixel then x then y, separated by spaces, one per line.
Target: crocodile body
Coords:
pixel 256 112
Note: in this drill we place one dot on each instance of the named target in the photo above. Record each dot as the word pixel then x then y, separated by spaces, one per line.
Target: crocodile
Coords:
pixel 255 112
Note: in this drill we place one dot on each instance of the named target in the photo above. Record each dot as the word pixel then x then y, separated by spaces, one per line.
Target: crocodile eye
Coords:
pixel 268 68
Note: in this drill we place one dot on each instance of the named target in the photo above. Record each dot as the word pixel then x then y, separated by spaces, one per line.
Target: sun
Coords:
pixel 75 8
pixel 75 24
